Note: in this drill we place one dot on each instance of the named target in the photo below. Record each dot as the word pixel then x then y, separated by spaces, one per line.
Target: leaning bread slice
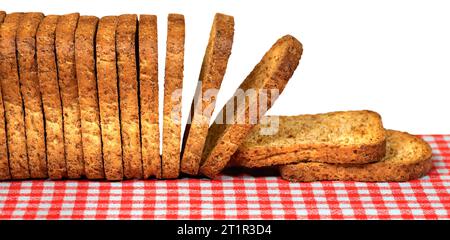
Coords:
pixel 51 98
pixel 108 95
pixel 128 94
pixel 338 137
pixel 407 157
pixel 65 55
pixel 148 84
pixel 211 76
pixel 172 96
pixel 269 78
pixel 4 164
pixel 88 97
pixel 12 98
pixel 29 86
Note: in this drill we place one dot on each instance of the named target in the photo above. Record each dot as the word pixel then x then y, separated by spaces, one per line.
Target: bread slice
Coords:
pixel 51 98
pixel 172 96
pixel 211 76
pixel 88 96
pixel 148 86
pixel 108 95
pixel 128 94
pixel 271 73
pixel 338 137
pixel 4 164
pixel 12 98
pixel 29 86
pixel 407 157
pixel 65 55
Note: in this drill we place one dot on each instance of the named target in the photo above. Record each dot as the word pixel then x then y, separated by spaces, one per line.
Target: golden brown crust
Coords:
pixel 65 55
pixel 29 86
pixel 108 95
pixel 88 96
pixel 148 84
pixel 211 75
pixel 12 98
pixel 272 72
pixel 51 98
pixel 396 166
pixel 317 153
pixel 172 96
pixel 128 92
pixel 4 164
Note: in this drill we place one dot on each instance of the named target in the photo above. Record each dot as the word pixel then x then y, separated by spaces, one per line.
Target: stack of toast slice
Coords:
pixel 351 145
pixel 79 98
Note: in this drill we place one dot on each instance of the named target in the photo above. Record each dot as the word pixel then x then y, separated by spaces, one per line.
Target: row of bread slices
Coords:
pixel 80 99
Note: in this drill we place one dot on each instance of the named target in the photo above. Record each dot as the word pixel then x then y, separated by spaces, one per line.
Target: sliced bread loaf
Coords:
pixel 336 137
pixel 407 157
pixel 108 95
pixel 271 73
pixel 128 94
pixel 173 84
pixel 51 98
pixel 211 75
pixel 12 98
pixel 29 86
pixel 88 96
pixel 148 86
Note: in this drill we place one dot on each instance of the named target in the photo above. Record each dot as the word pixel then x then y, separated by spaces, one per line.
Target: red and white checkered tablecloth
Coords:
pixel 235 197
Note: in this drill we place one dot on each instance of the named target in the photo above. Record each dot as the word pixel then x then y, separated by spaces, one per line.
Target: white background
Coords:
pixel 392 57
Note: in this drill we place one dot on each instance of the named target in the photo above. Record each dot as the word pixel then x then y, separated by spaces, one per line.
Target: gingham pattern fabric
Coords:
pixel 235 197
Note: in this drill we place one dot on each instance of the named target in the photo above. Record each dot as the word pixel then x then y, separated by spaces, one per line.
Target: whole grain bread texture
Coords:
pixel 407 157
pixel 128 94
pixel 65 55
pixel 212 72
pixel 51 98
pixel 268 78
pixel 108 95
pixel 172 96
pixel 88 96
pixel 354 137
pixel 31 95
pixel 148 86
pixel 4 163
pixel 12 98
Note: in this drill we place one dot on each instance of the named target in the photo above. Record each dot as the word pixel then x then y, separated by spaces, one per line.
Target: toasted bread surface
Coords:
pixel 68 86
pixel 4 164
pixel 271 73
pixel 211 75
pixel 12 98
pixel 336 137
pixel 108 95
pixel 149 90
pixel 88 96
pixel 128 95
pixel 51 98
pixel 407 157
pixel 31 95
pixel 173 84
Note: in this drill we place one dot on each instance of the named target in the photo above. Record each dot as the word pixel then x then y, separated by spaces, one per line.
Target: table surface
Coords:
pixel 232 196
